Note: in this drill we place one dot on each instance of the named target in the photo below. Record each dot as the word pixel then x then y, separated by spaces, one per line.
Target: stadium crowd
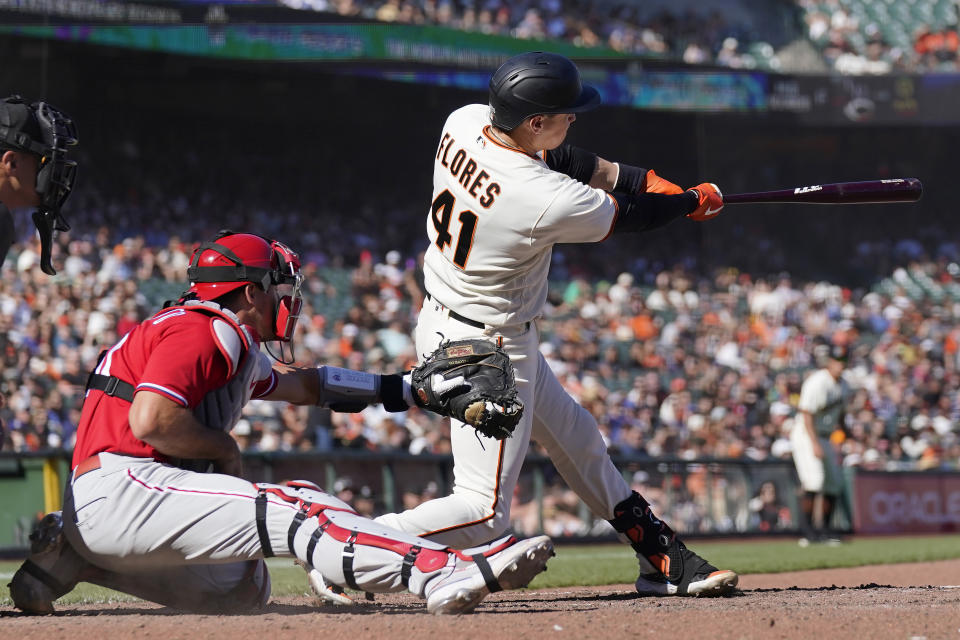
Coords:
pixel 875 37
pixel 852 36
pixel 686 367
pixel 690 367
pixel 695 34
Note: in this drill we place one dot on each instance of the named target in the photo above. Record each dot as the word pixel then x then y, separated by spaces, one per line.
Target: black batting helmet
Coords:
pixel 536 83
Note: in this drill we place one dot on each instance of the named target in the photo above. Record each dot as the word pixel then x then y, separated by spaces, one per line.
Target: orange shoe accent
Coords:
pixel 660 562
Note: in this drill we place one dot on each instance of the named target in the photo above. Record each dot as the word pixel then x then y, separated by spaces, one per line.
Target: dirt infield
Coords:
pixel 892 601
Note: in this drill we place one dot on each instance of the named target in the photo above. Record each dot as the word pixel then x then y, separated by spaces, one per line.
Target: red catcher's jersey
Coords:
pixel 174 353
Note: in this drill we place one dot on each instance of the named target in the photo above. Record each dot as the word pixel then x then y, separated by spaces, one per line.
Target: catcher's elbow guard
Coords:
pixel 346 390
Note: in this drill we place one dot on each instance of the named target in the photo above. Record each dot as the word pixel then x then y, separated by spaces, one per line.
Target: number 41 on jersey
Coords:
pixel 441 213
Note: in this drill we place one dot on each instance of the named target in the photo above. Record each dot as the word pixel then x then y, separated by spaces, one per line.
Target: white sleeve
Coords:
pixel 813 395
pixel 577 213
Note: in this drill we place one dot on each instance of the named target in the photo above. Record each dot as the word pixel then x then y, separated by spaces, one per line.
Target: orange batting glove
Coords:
pixel 710 201
pixel 656 184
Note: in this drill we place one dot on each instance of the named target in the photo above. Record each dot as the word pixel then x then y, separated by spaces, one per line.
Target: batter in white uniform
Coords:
pixel 506 189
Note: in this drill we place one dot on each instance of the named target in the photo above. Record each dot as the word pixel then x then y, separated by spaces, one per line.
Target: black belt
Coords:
pixel 456 316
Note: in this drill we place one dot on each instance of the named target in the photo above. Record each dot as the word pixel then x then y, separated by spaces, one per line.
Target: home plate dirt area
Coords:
pixel 903 601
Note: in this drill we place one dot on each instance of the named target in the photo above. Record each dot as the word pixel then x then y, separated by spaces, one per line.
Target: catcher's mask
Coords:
pixel 233 259
pixel 44 130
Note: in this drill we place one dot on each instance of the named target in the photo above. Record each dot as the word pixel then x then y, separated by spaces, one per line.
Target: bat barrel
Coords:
pixel 869 191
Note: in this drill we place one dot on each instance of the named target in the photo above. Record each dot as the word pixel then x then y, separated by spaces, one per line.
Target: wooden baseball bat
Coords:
pixel 869 191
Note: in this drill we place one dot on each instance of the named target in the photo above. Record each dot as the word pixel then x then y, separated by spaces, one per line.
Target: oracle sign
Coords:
pixel 906 502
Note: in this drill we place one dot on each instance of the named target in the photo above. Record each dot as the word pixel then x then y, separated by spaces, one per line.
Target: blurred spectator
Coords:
pixel 768 512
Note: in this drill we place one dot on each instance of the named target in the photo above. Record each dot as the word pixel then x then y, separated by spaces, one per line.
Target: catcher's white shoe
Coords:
pixel 52 570
pixel 473 577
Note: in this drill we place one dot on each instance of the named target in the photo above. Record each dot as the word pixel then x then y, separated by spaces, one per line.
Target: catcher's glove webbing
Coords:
pixel 470 380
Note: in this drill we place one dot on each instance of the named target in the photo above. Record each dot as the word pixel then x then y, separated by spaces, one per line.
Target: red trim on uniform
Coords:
pixel 271 387
pixel 493 507
pixel 491 138
pixel 179 490
pixel 489 552
pixel 616 206
pixel 163 391
pixel 316 507
pixel 303 484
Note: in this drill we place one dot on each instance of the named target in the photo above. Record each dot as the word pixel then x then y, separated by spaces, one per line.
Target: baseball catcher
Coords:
pixel 159 407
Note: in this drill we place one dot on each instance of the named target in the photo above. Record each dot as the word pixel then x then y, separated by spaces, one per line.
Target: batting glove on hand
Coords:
pixel 709 201
pixel 470 380
pixel 656 184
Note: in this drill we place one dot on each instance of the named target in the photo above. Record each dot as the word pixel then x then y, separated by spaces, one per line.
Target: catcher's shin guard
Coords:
pixel 346 549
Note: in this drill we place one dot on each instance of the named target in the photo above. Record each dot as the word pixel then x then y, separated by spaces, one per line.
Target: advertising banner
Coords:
pixel 907 502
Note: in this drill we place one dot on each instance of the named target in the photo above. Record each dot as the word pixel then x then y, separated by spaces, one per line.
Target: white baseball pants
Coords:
pixel 817 475
pixel 179 537
pixel 485 470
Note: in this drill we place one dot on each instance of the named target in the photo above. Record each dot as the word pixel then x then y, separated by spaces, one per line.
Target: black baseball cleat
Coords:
pixel 52 570
pixel 698 578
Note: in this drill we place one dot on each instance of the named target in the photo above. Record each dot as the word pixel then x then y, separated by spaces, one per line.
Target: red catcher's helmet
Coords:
pixel 232 260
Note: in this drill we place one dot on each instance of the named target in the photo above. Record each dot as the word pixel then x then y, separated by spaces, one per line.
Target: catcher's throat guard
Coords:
pixel 44 130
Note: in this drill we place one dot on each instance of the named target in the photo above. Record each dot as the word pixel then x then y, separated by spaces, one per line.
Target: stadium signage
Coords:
pixel 908 502
pixel 95 10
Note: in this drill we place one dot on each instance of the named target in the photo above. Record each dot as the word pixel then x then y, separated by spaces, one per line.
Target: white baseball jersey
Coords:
pixel 822 397
pixel 496 214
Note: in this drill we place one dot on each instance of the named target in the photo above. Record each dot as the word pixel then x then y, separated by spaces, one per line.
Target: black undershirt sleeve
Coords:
pixel 630 179
pixel 573 161
pixel 645 211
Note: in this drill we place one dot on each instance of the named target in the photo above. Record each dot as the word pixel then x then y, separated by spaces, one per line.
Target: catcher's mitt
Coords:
pixel 470 380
